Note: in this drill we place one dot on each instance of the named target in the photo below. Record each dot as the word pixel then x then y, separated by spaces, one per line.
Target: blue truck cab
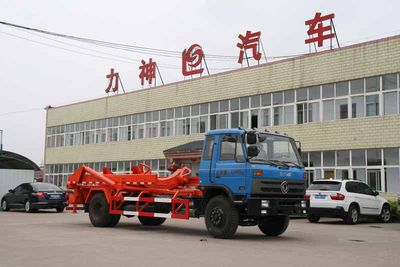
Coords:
pixel 258 174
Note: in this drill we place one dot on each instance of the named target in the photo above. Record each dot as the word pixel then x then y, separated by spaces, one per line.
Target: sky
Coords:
pixel 36 71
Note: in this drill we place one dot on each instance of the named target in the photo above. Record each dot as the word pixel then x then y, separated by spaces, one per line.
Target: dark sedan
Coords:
pixel 34 196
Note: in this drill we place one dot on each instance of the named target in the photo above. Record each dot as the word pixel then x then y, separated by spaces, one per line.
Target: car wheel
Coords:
pixel 221 217
pixel 385 214
pixel 4 205
pixel 28 206
pixel 352 216
pixel 313 218
pixel 274 225
pixel 59 210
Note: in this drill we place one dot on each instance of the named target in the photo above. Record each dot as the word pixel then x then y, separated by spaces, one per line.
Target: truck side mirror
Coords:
pixel 251 138
pixel 252 151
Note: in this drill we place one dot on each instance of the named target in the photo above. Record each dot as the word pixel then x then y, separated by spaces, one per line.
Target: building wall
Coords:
pixel 9 179
pixel 365 60
pixel 375 58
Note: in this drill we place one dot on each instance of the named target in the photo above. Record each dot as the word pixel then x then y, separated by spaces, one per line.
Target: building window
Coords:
pixel 265 117
pixel 314 93
pixel 342 89
pixel 328 91
pixel 391 156
pixel 315 159
pixel 372 105
pixel 393 179
pixel 372 84
pixel 302 113
pixel 341 109
pixel 358 157
pixel 357 86
pixel 278 115
pixel 329 159
pixel 390 103
pixel 289 114
pixel 343 158
pixel 313 112
pixel 166 128
pixel 328 112
pixel 357 106
pixel 374 157
pixel 223 121
pixel 389 81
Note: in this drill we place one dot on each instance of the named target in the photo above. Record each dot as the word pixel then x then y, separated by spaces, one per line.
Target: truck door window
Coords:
pixel 231 148
pixel 208 148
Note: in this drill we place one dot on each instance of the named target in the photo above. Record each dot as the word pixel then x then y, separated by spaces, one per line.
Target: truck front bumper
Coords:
pixel 277 206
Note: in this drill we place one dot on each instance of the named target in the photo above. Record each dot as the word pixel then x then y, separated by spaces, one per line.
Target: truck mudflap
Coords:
pixel 277 206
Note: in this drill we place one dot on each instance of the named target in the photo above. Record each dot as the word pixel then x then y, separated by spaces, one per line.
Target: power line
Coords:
pixel 20 111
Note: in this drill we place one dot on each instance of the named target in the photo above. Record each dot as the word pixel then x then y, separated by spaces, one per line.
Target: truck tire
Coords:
pixel 99 212
pixel 221 217
pixel 151 221
pixel 274 225
pixel 313 218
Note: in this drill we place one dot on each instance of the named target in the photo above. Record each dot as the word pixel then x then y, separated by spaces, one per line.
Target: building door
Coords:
pixel 374 179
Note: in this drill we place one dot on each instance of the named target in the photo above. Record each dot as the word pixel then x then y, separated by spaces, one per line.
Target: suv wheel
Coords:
pixel 313 218
pixel 385 214
pixel 353 215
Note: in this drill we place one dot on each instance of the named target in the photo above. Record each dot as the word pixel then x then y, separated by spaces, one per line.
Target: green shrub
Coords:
pixel 393 210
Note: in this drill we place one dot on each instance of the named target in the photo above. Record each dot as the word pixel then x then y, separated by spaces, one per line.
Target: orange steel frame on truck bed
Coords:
pixel 140 187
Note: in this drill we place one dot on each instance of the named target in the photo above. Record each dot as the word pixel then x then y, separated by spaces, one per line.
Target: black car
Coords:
pixel 34 196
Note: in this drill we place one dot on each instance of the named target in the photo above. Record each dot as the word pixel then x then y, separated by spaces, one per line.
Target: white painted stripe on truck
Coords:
pixel 162 200
pixel 162 215
pixel 131 199
pixel 131 213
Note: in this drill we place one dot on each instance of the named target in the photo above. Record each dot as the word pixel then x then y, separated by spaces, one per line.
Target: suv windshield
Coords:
pixel 274 149
pixel 325 186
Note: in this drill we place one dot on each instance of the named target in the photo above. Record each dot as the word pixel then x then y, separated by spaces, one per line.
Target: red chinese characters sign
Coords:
pixel 191 60
pixel 317 29
pixel 113 75
pixel 147 71
pixel 249 41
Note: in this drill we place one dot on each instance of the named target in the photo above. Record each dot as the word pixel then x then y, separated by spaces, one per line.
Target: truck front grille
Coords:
pixel 273 187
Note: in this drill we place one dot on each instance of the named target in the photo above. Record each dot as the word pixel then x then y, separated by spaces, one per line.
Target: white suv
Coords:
pixel 347 199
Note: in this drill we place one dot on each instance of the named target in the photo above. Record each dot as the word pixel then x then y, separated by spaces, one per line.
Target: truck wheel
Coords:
pixel 221 217
pixel 151 221
pixel 99 211
pixel 274 225
pixel 114 220
pixel 312 218
pixel 352 215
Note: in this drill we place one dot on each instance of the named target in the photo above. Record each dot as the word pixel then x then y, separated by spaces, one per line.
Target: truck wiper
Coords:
pixel 277 162
pixel 293 163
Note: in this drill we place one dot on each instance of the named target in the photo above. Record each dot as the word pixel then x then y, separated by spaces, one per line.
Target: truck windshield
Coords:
pixel 277 150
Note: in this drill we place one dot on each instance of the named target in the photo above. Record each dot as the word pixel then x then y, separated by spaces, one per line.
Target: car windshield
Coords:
pixel 45 187
pixel 276 149
pixel 325 186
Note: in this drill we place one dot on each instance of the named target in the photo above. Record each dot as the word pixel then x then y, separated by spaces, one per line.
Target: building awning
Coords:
pixel 187 147
pixel 191 150
pixel 11 160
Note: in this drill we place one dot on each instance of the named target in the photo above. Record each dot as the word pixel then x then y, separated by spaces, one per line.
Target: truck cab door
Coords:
pixel 230 167
pixel 207 163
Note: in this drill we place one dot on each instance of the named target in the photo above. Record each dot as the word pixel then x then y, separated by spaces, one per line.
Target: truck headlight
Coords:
pixel 304 204
pixel 264 204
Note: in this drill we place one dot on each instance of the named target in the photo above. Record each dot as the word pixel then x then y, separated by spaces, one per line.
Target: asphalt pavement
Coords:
pixel 47 238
